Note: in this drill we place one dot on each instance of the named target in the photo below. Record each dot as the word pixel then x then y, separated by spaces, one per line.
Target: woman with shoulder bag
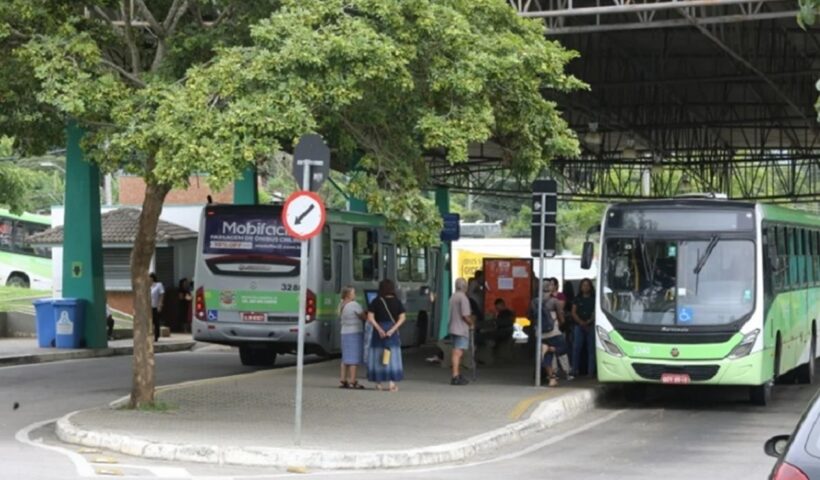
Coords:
pixel 386 314
pixel 351 316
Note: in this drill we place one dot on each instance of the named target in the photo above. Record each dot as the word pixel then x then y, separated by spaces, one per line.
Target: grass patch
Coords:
pixel 15 299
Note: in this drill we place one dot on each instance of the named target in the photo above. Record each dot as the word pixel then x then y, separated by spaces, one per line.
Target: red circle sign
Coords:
pixel 303 215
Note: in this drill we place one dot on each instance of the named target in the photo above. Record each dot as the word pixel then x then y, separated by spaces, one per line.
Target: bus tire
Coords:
pixel 805 372
pixel 761 395
pixel 635 392
pixel 18 280
pixel 257 357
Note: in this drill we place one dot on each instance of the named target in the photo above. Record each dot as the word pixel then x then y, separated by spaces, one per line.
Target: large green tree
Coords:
pixel 177 86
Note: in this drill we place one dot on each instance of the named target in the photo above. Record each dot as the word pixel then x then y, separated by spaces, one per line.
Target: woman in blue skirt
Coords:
pixel 351 318
pixel 386 314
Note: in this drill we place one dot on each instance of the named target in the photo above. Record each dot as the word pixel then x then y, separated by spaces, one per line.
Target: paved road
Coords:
pixel 47 391
pixel 676 434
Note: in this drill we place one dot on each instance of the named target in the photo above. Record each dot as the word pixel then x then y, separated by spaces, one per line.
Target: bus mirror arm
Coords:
pixel 589 248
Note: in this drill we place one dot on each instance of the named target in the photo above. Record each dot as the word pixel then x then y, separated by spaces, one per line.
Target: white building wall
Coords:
pixel 184 215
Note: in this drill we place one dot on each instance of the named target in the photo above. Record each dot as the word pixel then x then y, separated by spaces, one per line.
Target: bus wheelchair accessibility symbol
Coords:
pixel 685 314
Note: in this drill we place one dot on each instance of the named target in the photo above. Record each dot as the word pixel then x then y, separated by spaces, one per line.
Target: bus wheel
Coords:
pixel 635 392
pixel 17 280
pixel 761 394
pixel 256 356
pixel 805 373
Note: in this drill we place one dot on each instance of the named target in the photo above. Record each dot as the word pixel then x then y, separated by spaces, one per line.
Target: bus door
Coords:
pixel 341 278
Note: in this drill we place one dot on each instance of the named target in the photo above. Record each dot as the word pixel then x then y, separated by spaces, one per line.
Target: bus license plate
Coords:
pixel 675 378
pixel 253 317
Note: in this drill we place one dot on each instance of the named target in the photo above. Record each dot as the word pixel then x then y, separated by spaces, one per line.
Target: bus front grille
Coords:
pixel 651 371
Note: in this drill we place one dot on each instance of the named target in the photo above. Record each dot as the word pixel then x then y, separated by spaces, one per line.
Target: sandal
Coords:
pixel 394 388
pixel 344 384
pixel 356 386
pixel 553 382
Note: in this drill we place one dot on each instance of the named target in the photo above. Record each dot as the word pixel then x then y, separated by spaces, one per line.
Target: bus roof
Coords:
pixel 26 217
pixel 770 212
pixel 685 202
pixel 789 215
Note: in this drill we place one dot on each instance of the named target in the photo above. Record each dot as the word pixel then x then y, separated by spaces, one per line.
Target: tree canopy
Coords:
pixel 166 88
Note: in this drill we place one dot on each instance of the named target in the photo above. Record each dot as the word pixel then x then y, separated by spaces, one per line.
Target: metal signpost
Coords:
pixel 304 216
pixel 544 213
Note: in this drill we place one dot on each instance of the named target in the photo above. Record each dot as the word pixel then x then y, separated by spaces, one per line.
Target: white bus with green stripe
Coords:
pixel 246 280
pixel 23 264
pixel 707 292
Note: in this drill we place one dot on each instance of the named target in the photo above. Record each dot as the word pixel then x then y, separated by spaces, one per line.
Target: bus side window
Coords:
pixel 419 272
pixel 365 261
pixel 769 263
pixel 6 228
pixel 327 259
pixel 782 259
pixel 404 264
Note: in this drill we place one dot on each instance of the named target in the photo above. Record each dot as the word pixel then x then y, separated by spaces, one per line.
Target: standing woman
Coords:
pixel 351 317
pixel 583 312
pixel 386 314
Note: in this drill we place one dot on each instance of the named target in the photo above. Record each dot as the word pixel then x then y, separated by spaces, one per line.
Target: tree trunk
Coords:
pixel 142 387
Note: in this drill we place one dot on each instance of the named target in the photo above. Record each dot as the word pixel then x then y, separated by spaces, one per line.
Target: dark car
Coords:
pixel 798 454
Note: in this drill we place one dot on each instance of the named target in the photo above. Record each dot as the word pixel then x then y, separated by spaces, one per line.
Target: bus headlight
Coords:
pixel 745 346
pixel 608 344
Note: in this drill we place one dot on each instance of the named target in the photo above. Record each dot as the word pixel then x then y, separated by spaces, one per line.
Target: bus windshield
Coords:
pixel 683 283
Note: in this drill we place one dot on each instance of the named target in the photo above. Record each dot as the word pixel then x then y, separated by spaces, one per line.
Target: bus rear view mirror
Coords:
pixel 586 255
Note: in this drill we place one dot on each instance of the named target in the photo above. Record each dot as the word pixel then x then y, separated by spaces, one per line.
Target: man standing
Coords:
pixel 157 296
pixel 460 325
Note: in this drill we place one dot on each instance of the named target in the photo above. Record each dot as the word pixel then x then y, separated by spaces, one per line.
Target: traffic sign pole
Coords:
pixel 300 342
pixel 539 335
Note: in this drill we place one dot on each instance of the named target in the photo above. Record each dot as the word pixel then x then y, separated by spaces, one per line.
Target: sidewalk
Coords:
pixel 248 419
pixel 20 351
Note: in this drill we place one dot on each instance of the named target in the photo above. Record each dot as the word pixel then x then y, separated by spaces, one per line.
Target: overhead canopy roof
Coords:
pixel 717 93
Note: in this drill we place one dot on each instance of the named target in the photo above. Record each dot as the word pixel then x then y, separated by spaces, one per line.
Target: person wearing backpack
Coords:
pixel 553 344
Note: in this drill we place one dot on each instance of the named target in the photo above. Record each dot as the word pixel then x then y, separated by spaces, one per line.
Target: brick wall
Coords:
pixel 132 192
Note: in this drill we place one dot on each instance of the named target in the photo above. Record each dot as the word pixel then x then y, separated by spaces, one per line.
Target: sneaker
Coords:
pixel 459 380
pixel 570 377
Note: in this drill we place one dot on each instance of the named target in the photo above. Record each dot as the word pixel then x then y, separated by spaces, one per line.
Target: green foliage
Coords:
pixel 15 182
pixel 809 11
pixel 807 18
pixel 573 221
pixel 388 83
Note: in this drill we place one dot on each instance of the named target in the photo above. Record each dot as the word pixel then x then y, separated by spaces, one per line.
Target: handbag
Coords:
pixel 388 341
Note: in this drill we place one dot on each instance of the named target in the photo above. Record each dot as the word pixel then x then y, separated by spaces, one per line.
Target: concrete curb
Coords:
pixel 90 353
pixel 548 413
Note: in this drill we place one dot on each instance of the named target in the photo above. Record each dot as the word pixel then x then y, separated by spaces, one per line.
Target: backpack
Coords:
pixel 547 322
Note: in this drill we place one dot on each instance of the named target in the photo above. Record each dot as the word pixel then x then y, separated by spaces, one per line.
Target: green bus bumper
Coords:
pixel 749 370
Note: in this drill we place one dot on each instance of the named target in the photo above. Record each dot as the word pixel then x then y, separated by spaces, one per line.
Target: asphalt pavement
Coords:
pixel 679 433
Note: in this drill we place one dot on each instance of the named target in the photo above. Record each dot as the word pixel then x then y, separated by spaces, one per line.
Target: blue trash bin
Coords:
pixel 44 314
pixel 69 317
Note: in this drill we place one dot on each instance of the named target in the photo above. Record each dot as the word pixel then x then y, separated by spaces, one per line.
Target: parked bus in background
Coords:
pixel 246 280
pixel 707 291
pixel 23 264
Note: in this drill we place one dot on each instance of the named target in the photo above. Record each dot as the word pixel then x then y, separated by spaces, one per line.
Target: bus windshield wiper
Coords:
pixel 702 261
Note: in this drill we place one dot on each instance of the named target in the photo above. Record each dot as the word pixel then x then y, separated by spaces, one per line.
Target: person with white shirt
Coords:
pixel 157 296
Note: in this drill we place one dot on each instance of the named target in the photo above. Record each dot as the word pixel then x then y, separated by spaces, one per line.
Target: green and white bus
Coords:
pixel 246 280
pixel 23 264
pixel 707 291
